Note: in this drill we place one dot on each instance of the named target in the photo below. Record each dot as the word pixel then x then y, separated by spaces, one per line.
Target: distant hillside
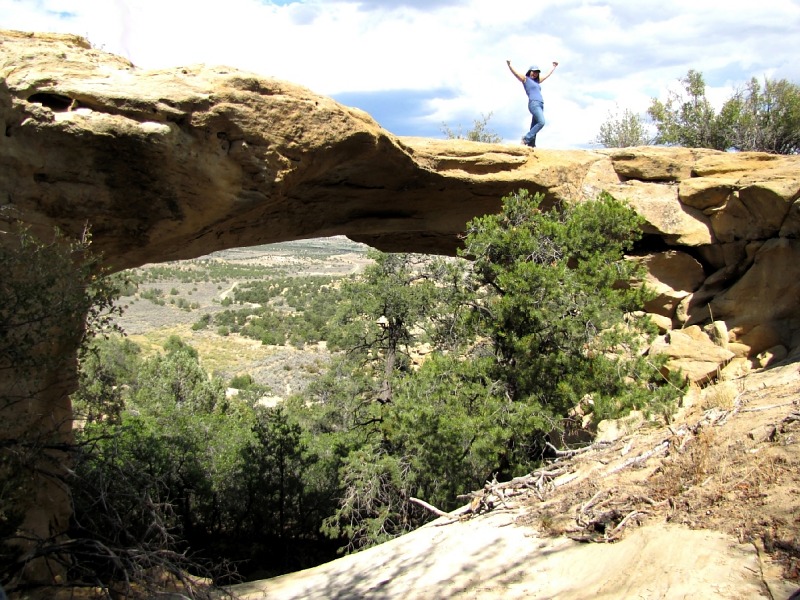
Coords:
pixel 169 298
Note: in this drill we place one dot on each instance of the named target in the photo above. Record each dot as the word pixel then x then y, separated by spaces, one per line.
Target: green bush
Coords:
pixel 202 323
pixel 538 322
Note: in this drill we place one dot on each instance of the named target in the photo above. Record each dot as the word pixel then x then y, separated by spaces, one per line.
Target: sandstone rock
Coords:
pixel 718 332
pixel 741 163
pixel 766 295
pixel 739 350
pixel 736 369
pixel 757 211
pixel 264 160
pixel 705 192
pixel 665 216
pixel 181 162
pixel 650 163
pixel 759 338
pixel 696 333
pixel 663 323
pixel 692 352
pixel 735 253
pixel 672 275
pixel 610 430
pixel 692 397
pixel 771 356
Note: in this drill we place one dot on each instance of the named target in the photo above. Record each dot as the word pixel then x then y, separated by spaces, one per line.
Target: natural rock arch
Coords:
pixel 177 163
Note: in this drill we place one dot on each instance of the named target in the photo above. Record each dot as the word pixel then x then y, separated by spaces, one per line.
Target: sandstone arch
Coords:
pixel 178 163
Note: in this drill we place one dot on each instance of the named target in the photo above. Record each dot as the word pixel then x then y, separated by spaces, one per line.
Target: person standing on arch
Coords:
pixel 532 82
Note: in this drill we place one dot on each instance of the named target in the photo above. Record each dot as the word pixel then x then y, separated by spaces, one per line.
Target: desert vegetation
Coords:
pixel 442 373
pixel 758 116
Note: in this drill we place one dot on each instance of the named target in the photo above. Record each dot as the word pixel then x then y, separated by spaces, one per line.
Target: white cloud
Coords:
pixel 612 53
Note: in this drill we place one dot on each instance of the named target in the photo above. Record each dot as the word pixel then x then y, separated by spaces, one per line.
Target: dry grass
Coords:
pixel 730 462
pixel 721 395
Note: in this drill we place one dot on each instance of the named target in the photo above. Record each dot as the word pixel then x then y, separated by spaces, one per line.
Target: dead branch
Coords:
pixel 430 507
pixel 662 447
pixel 612 536
pixel 791 418
pixel 648 500
pixel 570 452
pixel 593 499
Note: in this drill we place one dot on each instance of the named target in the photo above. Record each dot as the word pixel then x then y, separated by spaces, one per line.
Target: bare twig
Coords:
pixel 593 499
pixel 430 507
pixel 569 452
pixel 610 537
pixel 662 447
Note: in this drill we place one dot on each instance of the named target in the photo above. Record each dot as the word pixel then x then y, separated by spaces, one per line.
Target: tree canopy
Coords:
pixel 480 131
pixel 446 372
pixel 763 117
pixel 622 130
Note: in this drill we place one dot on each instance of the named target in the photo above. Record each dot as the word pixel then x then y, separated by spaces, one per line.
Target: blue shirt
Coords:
pixel 533 89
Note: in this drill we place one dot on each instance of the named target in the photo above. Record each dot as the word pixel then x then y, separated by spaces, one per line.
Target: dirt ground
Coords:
pixel 705 507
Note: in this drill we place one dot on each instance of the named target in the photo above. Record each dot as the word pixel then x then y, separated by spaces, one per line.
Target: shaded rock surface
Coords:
pixel 494 558
pixel 697 504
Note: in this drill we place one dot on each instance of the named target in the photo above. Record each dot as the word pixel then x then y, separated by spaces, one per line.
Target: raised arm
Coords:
pixel 517 75
pixel 543 77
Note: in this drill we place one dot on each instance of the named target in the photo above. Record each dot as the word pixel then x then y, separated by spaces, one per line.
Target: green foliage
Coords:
pixel 155 295
pixel 480 131
pixel 202 269
pixel 293 310
pixel 553 304
pixel 452 400
pixel 186 467
pixel 202 323
pixel 175 381
pixel 54 300
pixel 537 320
pixel 49 289
pixel 367 430
pixel 242 381
pixel 374 507
pixel 756 118
pixel 276 454
pixel 623 129
pixel 382 314
pixel 105 367
pixel 765 118
pixel 687 117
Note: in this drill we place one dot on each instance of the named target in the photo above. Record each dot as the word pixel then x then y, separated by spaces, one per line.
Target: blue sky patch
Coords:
pixel 402 112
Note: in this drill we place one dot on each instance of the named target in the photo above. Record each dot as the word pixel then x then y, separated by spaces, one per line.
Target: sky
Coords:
pixel 419 65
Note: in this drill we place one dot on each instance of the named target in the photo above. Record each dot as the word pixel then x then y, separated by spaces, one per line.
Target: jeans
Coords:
pixel 537 110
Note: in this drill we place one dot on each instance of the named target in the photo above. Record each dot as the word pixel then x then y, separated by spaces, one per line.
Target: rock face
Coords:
pixel 178 163
pixel 171 164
